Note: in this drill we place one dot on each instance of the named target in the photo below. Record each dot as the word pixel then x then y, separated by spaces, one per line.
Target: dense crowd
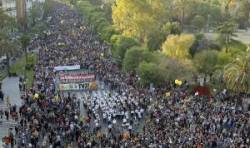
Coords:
pixel 124 116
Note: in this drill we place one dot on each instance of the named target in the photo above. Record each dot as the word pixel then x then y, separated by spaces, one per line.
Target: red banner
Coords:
pixel 76 77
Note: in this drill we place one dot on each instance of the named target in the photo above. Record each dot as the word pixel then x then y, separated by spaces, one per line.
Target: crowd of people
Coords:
pixel 124 116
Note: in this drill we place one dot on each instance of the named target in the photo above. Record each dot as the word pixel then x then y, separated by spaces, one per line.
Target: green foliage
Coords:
pixel 237 45
pixel 7 23
pixel 36 12
pixel 226 31
pixel 19 68
pixel 97 19
pixel 151 73
pixel 201 43
pixel 185 11
pixel 162 69
pixel 134 56
pixel 223 59
pixel 31 60
pixel 171 28
pixel 173 69
pixel 242 14
pixel 199 22
pixel 137 18
pixel 237 73
pixel 205 61
pixel 25 40
pixel 194 48
pixel 121 44
pixel 155 40
pixel 107 33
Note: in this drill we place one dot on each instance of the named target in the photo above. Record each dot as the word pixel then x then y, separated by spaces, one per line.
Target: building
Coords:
pixel 21 11
pixel 9 6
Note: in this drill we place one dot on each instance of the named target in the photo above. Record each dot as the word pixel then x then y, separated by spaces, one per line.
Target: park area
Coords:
pixel 125 73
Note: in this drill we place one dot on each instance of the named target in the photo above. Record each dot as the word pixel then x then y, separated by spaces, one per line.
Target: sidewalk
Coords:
pixel 10 87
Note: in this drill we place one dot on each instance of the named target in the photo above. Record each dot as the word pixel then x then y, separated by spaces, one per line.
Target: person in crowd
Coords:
pixel 123 114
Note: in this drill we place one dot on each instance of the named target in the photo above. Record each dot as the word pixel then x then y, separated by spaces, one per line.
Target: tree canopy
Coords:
pixel 177 46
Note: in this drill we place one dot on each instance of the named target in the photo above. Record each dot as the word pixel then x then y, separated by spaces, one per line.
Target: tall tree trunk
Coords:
pixel 26 61
pixel 8 63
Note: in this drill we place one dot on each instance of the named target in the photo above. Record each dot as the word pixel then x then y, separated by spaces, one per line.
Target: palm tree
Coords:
pixel 226 31
pixel 237 74
pixel 25 40
pixel 7 48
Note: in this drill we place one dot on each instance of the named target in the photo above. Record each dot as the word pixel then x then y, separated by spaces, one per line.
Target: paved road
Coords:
pixel 10 87
pixel 241 35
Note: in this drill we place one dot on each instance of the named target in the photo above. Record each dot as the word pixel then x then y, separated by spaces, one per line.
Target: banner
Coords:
pixel 62 68
pixel 74 86
pixel 76 77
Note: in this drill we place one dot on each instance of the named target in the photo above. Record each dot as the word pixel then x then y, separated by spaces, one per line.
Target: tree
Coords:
pixel 151 73
pixel 242 14
pixel 205 61
pixel 137 18
pixel 223 59
pixel 182 7
pixel 121 44
pixel 25 40
pixel 171 28
pixel 173 69
pixel 134 56
pixel 36 12
pixel 7 44
pixel 157 37
pixel 226 32
pixel 8 48
pixel 7 24
pixel 237 74
pixel 177 46
pixel 199 22
pixel 95 17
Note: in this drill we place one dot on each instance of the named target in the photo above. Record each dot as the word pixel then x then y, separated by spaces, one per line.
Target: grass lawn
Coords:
pixel 19 68
pixel 3 74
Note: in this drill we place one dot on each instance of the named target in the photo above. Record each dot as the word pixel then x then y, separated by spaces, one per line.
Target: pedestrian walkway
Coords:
pixel 10 87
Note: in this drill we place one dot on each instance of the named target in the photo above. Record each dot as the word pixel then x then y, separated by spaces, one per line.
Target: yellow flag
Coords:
pixel 168 94
pixel 178 82
pixel 36 96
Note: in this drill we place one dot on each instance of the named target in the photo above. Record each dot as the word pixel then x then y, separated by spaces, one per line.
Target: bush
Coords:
pixel 107 33
pixel 223 59
pixel 199 22
pixel 201 43
pixel 121 44
pixel 134 56
pixel 205 61
pixel 174 69
pixel 155 40
pixel 171 28
pixel 151 73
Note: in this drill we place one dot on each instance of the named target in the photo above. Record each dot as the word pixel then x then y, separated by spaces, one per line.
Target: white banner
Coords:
pixel 74 86
pixel 61 68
